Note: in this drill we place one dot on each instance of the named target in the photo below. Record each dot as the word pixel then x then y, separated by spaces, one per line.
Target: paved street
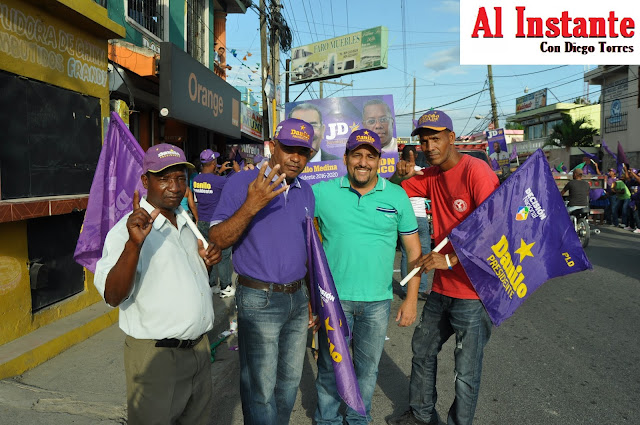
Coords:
pixel 570 355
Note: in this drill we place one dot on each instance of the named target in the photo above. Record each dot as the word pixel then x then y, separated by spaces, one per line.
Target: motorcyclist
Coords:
pixel 578 191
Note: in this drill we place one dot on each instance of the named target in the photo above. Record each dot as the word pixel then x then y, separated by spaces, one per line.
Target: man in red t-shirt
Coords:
pixel 456 184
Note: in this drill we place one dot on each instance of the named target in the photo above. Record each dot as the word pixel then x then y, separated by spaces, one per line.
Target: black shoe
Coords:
pixel 406 419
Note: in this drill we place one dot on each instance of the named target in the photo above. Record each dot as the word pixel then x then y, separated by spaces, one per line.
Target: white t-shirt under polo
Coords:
pixel 170 297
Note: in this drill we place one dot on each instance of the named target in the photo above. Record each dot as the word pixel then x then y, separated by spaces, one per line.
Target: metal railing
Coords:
pixel 147 13
pixel 529 146
pixel 196 29
pixel 615 123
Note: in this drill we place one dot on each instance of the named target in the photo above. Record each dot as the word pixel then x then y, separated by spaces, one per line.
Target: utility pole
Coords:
pixel 264 62
pixel 275 47
pixel 413 116
pixel 337 83
pixel 287 68
pixel 494 107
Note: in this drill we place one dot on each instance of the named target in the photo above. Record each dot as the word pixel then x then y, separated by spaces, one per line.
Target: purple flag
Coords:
pixel 325 302
pixel 514 153
pixel 517 239
pixel 606 148
pixel 111 197
pixel 588 169
pixel 621 159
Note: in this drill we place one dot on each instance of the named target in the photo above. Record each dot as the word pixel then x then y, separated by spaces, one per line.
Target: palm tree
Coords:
pixel 570 133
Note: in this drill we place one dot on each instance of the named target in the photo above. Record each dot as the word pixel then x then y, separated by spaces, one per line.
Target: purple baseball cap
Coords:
pixel 364 137
pixel 208 155
pixel 435 120
pixel 164 155
pixel 294 132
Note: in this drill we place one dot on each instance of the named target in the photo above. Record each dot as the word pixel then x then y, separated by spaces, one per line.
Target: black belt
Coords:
pixel 287 288
pixel 178 343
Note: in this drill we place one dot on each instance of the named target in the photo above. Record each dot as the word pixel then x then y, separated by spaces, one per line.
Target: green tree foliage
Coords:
pixel 570 133
pixel 514 126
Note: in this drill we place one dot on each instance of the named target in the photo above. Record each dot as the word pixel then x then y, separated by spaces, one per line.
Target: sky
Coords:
pixel 426 47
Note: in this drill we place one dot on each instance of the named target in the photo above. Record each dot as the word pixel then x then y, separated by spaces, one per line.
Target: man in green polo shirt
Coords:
pixel 360 216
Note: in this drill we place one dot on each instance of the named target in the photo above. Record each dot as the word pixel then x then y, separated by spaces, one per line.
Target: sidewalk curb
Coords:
pixel 17 361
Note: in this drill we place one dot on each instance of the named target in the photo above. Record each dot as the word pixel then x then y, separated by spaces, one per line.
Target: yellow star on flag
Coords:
pixel 525 249
pixel 354 127
pixel 327 326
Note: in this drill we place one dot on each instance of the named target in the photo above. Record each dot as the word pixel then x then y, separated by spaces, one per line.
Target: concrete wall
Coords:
pixel 71 42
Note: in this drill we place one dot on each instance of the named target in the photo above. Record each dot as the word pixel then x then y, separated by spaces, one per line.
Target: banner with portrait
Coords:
pixel 333 120
pixel 498 147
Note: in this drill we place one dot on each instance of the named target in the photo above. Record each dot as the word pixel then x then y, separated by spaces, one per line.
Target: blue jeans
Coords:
pixel 442 317
pixel 224 268
pixel 368 322
pixel 272 338
pixel 425 243
pixel 619 204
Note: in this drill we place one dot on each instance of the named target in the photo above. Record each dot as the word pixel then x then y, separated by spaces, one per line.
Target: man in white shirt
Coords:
pixel 499 155
pixel 154 268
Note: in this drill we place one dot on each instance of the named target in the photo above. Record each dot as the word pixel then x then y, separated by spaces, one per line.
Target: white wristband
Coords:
pixel 446 257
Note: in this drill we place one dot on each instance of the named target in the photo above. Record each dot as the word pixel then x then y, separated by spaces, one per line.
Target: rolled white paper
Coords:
pixel 194 228
pixel 417 269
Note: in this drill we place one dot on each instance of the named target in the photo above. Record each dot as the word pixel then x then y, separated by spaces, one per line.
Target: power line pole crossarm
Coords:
pixel 337 83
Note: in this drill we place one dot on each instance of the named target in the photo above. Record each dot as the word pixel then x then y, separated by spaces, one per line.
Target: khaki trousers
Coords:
pixel 167 385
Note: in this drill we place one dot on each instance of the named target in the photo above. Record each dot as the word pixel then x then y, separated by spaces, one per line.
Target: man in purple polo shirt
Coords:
pixel 262 214
pixel 207 186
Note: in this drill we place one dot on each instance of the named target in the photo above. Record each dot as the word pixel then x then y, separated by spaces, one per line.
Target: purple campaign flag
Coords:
pixel 325 302
pixel 606 148
pixel 621 159
pixel 514 153
pixel 588 169
pixel 517 239
pixel 111 196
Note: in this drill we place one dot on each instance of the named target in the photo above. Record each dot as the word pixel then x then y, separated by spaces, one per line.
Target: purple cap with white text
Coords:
pixel 164 155
pixel 434 120
pixel 364 137
pixel 294 132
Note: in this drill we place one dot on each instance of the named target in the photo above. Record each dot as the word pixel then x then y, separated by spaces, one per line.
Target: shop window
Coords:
pixel 196 29
pixel 53 273
pixel 51 139
pixel 148 14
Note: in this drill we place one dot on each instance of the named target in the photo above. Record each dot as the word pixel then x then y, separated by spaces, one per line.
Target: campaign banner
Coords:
pixel 117 176
pixel 498 147
pixel 333 120
pixel 517 239
pixel 549 32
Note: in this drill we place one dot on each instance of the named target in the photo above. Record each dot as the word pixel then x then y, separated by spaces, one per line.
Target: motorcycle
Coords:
pixel 579 217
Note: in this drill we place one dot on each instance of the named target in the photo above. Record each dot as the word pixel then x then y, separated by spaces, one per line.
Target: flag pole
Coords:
pixel 417 269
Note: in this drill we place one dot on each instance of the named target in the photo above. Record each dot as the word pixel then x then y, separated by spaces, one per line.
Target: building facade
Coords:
pixel 620 108
pixel 53 77
pixel 166 69
pixel 63 66
pixel 538 124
